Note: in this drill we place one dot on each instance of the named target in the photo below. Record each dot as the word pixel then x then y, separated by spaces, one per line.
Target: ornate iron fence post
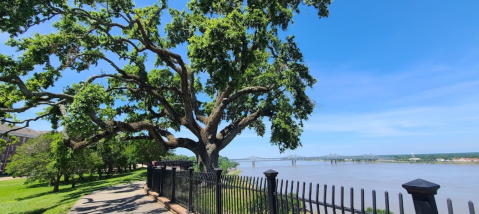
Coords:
pixel 190 191
pixel 423 192
pixel 149 176
pixel 218 191
pixel 155 177
pixel 162 180
pixel 173 181
pixel 272 195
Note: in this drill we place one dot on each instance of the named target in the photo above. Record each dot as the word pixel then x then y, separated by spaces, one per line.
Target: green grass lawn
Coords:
pixel 15 197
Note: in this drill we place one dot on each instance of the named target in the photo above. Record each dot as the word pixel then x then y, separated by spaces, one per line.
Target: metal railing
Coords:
pixel 183 165
pixel 214 193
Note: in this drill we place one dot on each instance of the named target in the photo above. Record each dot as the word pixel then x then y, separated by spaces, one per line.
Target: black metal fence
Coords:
pixel 183 165
pixel 214 193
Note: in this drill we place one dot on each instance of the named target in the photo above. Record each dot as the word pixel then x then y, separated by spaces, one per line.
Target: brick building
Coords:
pixel 23 135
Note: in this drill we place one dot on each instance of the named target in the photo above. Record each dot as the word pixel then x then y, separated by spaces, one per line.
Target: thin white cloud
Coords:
pixel 402 122
pixel 460 90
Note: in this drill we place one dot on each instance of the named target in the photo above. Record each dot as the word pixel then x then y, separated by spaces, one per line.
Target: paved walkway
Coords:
pixel 124 198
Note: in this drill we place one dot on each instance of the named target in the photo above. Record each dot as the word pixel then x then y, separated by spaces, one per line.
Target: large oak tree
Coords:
pixel 253 73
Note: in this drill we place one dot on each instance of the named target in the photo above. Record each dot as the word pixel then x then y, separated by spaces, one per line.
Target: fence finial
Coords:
pixel 423 192
pixel 272 195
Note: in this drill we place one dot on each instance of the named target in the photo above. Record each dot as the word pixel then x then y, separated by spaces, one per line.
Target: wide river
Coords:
pixel 460 183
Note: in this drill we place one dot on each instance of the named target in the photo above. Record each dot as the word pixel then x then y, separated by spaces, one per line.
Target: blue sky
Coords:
pixel 394 77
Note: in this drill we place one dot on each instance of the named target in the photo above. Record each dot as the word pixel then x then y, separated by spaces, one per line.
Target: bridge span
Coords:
pixel 333 158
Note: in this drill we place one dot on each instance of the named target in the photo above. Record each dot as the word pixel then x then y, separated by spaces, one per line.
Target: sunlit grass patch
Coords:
pixel 15 197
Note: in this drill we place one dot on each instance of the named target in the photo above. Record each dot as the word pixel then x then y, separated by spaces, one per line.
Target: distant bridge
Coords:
pixel 333 158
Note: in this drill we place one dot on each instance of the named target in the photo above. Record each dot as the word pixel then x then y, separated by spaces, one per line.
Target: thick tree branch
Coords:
pixel 16 110
pixel 237 126
pixel 149 89
pixel 137 138
pixel 111 128
pixel 26 121
pixel 118 69
pixel 170 59
pixel 174 142
pixel 225 99
pixel 38 94
pixel 215 116
pixel 194 101
pixel 156 115
pixel 247 90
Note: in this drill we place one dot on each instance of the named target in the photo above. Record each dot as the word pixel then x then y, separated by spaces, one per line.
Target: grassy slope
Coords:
pixel 15 197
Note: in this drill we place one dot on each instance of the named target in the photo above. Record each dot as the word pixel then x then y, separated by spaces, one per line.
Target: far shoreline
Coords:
pixel 418 162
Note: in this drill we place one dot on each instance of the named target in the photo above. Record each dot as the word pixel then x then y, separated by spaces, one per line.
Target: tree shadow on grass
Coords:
pixel 90 186
pixel 38 185
pixel 37 211
pixel 85 180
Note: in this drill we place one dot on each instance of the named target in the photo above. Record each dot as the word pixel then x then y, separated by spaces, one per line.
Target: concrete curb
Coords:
pixel 165 202
pixel 122 198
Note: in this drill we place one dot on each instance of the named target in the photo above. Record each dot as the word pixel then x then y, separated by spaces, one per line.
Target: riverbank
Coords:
pixel 417 162
pixel 436 162
pixel 234 171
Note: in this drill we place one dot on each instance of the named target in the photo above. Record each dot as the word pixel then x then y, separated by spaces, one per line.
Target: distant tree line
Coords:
pixel 434 157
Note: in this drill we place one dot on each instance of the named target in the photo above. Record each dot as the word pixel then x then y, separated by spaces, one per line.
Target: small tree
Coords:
pixel 7 141
pixel 82 162
pixel 43 159
pixel 143 151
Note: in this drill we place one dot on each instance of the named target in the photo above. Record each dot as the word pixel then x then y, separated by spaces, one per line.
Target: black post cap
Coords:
pixel 271 173
pixel 420 186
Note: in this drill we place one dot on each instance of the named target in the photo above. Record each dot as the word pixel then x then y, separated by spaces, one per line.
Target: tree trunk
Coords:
pixel 56 186
pixel 100 172
pixel 66 178
pixel 57 183
pixel 134 166
pixel 110 170
pixel 208 158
